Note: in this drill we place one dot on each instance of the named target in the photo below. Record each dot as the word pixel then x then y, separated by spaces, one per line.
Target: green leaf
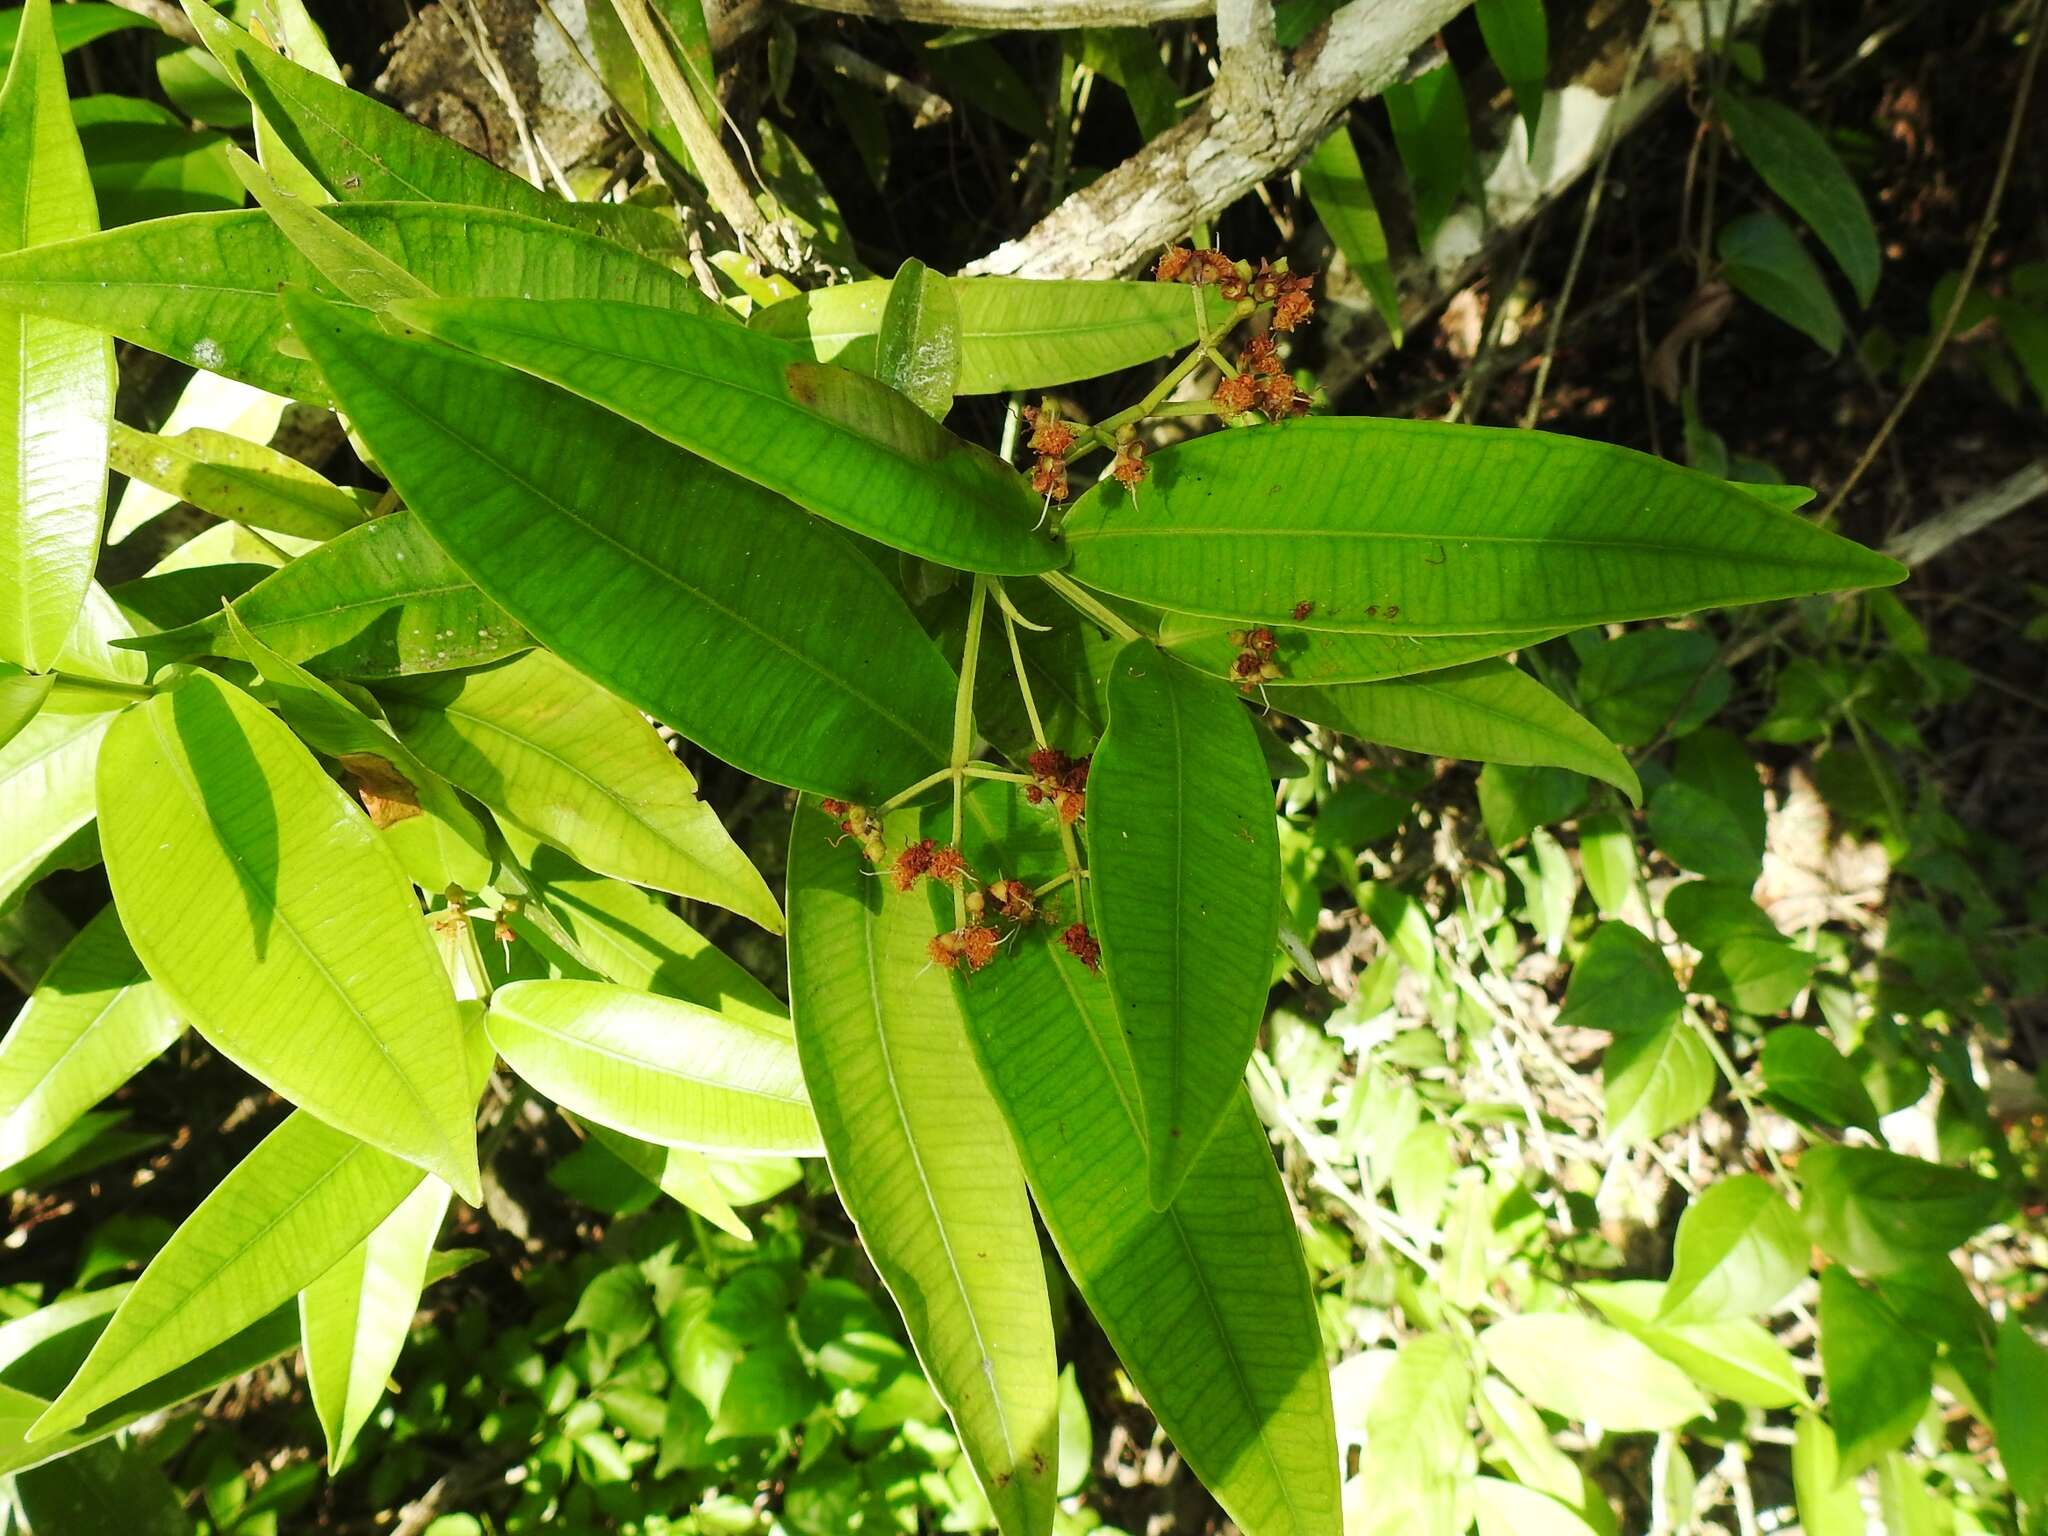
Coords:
pixel 1514 802
pixel 1658 1071
pixel 46 783
pixel 1803 1070
pixel 146 162
pixel 22 694
pixel 837 443
pixel 102 1488
pixel 357 1316
pixel 2022 1413
pixel 918 347
pixel 1423 528
pixel 1647 681
pixel 1797 164
pixel 1417 1447
pixel 1878 1373
pixel 1435 143
pixel 1765 263
pixel 1590 1372
pixel 1207 1304
pixel 437 838
pixel 1744 960
pixel 681 1174
pixel 1509 1509
pixel 380 601
pixel 1488 711
pixel 1309 658
pixel 657 1068
pixel 1828 1504
pixel 1708 817
pixel 1015 333
pixel 1607 860
pixel 248 483
pixel 363 151
pixel 1517 35
pixel 569 762
pixel 1909 1504
pixel 923 1161
pixel 285 1215
pixel 76 25
pixel 57 382
pixel 760 634
pixel 1740 1251
pixel 1184 876
pixel 283 929
pixel 93 1021
pixel 205 288
pixel 1880 1212
pixel 1734 1358
pixel 1335 183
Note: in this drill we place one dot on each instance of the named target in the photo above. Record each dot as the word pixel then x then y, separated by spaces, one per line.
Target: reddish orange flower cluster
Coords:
pixel 1271 387
pixel 1203 269
pixel 1082 945
pixel 1061 779
pixel 1254 663
pixel 975 944
pixel 1287 292
pixel 923 858
pixel 1052 440
pixel 1013 899
pixel 857 824
pixel 1128 468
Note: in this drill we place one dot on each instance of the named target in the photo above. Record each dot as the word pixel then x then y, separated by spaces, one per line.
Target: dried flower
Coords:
pixel 1235 396
pixel 1293 306
pixel 947 865
pixel 1081 944
pixel 911 864
pixel 1173 261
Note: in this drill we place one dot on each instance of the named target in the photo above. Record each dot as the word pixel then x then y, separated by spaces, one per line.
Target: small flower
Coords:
pixel 1049 477
pixel 856 823
pixel 912 863
pixel 1061 779
pixel 1128 468
pixel 1081 944
pixel 1013 900
pixel 1049 434
pixel 833 808
pixel 1293 306
pixel 1173 261
pixel 1279 399
pixel 947 865
pixel 1237 395
pixel 976 944
pixel 1260 356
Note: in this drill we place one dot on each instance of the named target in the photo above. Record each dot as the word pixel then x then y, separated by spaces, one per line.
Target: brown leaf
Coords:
pixel 1704 313
pixel 387 794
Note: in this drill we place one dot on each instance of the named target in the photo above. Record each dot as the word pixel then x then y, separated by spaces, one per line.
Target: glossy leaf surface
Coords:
pixel 282 928
pixel 923 1160
pixel 1184 872
pixel 1312 658
pixel 1334 180
pixel 249 483
pixel 918 347
pixel 46 782
pixel 1881 1212
pixel 1409 527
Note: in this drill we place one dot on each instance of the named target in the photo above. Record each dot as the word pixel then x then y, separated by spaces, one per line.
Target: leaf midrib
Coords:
pixel 584 1042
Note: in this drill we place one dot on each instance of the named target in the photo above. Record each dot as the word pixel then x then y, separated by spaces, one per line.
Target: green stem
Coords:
pixel 76 684
pixel 1023 682
pixel 1084 600
pixel 963 727
pixel 904 797
pixel 1736 1085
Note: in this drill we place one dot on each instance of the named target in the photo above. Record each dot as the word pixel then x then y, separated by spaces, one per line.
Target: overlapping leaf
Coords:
pixel 46 784
pixel 1311 658
pixel 923 1161
pixel 249 483
pixel 1423 528
pixel 756 631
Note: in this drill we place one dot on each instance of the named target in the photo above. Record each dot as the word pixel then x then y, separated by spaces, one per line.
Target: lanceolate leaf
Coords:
pixel 46 785
pixel 666 1071
pixel 539 743
pixel 1310 658
pixel 1015 333
pixel 93 1021
pixel 21 695
pixel 923 1161
pixel 918 352
pixel 1517 36
pixel 681 1174
pixel 1797 164
pixel 1207 1303
pixel 363 151
pixel 1184 871
pixel 355 1318
pixel 287 1213
pixel 1335 183
pixel 835 442
pixel 437 838
pixel 1489 711
pixel 1765 262
pixel 56 382
pixel 249 483
pixel 759 633
pixel 283 929
pixel 1412 527
pixel 380 601
pixel 204 288
pixel 1435 141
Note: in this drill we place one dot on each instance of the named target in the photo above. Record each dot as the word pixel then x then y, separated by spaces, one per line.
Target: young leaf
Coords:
pixel 1764 261
pixel 2022 1413
pixel 294 1206
pixel 282 928
pixel 1590 1372
pixel 1015 333
pixel 357 1316
pixel 249 483
pixel 436 837
pixel 1323 657
pixel 363 151
pixel 46 785
pixel 1880 1212
pixel 1517 35
pixel 1828 1504
pixel 56 382
pixel 1508 1509
pixel 205 288
pixel 1801 1068
pixel 923 1161
pixel 1878 1373
pixel 918 346
pixel 1797 164
pixel 1435 143
pixel 665 1071
pixel 93 1021
pixel 380 601
pixel 1184 872
pixel 1207 1304
pixel 1335 183
pixel 1744 960
pixel 835 442
pixel 759 633
pixel 1424 528
pixel 536 742
pixel 1740 1250
pixel 1734 1358
pixel 1489 711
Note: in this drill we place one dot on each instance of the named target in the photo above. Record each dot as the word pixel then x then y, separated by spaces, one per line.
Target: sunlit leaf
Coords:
pixel 918 347
pixel 46 783
pixel 1517 35
pixel 1880 1212
pixel 1878 1374
pixel 1435 142
pixel 1590 1372
pixel 1739 1250
pixel 1335 183
pixel 233 478
pixel 1733 1358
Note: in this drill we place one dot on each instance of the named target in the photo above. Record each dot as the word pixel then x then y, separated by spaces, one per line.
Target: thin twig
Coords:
pixel 925 107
